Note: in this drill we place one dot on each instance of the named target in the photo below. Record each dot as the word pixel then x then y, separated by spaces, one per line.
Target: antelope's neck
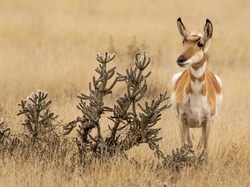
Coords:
pixel 197 76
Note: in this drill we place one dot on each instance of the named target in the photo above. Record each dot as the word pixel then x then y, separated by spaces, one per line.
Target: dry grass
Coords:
pixel 51 45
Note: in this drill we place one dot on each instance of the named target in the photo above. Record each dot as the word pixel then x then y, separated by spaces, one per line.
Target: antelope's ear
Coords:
pixel 182 29
pixel 208 30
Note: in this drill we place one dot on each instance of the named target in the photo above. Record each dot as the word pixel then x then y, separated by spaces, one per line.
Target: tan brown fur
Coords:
pixel 196 90
pixel 211 87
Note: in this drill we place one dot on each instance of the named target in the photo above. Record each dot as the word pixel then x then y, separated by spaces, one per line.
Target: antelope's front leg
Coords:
pixel 185 133
pixel 203 143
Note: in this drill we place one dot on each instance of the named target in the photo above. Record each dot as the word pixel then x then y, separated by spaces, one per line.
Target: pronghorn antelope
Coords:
pixel 197 93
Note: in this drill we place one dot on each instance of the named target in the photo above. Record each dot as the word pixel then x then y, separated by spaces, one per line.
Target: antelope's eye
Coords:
pixel 200 44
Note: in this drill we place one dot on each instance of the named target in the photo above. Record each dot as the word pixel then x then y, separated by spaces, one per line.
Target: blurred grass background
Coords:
pixel 52 45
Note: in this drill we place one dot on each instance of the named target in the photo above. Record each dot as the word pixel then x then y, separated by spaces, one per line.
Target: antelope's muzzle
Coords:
pixel 181 61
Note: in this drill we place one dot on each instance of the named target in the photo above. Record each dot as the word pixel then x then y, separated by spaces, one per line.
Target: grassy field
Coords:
pixel 52 45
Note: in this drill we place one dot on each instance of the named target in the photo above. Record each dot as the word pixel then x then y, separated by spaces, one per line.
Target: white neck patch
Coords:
pixel 199 72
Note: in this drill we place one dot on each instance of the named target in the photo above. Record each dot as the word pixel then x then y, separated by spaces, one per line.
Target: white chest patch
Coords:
pixel 196 86
pixel 194 110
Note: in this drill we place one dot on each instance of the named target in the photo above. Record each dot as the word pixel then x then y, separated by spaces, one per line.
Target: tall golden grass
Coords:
pixel 51 45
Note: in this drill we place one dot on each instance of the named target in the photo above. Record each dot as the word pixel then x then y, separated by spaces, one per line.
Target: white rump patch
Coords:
pixel 175 78
pixel 173 102
pixel 219 80
pixel 219 99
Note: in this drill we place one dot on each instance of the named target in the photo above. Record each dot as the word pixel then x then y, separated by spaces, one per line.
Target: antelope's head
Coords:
pixel 195 44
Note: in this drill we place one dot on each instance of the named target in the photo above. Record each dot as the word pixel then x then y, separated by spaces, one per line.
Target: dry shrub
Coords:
pixel 41 138
pixel 133 123
pixel 39 119
pixel 183 157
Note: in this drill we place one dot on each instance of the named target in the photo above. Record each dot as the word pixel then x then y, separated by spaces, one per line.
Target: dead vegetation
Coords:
pixel 133 124
pixel 130 123
pixel 48 45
